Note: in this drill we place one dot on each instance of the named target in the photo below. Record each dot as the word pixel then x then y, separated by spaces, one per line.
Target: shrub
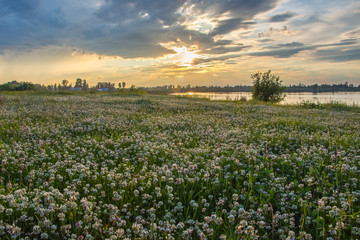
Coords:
pixel 267 87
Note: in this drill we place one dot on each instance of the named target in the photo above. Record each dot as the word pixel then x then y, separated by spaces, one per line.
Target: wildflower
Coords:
pixel 61 216
pixel 78 224
pixel 44 236
pixel 321 203
pixel 36 229
pixel 291 236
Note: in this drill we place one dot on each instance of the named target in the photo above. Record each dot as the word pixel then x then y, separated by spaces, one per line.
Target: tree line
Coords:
pixel 64 85
pixel 82 85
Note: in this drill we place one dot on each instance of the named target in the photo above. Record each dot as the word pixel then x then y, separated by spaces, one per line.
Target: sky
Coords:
pixel 179 42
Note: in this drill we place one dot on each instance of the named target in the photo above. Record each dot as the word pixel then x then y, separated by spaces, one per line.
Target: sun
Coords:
pixel 186 56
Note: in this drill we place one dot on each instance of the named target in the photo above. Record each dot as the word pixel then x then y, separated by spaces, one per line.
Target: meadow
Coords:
pixel 103 166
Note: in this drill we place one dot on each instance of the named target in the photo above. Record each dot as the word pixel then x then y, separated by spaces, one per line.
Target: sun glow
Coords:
pixel 186 55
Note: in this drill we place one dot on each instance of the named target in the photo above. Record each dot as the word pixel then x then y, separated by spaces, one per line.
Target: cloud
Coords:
pixel 343 42
pixel 199 61
pixel 126 28
pixel 229 25
pixel 274 31
pixel 287 50
pixel 132 45
pixel 223 50
pixel 319 23
pixel 136 28
pixel 353 34
pixel 287 45
pixel 281 53
pixel 128 12
pixel 223 42
pixel 161 21
pixel 19 6
pixel 234 8
pixel 148 29
pixel 338 55
pixel 282 17
pixel 27 25
pixel 265 40
pixel 309 20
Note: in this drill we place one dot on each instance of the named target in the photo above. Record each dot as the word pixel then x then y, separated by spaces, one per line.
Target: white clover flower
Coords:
pixel 222 237
pixel 61 216
pixel 9 211
pixel 36 229
pixel 44 236
pixel 321 203
pixel 291 235
pixel 2 208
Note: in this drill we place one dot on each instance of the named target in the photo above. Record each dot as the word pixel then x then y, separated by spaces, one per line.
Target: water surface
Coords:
pixel 349 98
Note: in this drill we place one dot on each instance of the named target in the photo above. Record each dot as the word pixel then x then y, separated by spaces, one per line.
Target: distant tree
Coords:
pixel 109 85
pixel 85 85
pixel 65 83
pixel 123 84
pixel 17 86
pixel 267 87
pixel 78 83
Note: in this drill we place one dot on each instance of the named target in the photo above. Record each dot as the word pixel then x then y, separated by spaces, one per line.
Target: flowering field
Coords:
pixel 141 167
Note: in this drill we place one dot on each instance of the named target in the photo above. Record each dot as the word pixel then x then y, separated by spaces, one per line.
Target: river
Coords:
pixel 349 98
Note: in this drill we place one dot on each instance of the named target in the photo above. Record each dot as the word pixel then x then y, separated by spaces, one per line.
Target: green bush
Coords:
pixel 267 87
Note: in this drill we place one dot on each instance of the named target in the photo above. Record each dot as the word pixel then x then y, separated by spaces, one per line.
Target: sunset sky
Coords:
pixel 162 42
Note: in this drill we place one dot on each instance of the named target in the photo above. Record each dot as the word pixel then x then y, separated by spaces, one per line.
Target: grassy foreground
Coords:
pixel 146 167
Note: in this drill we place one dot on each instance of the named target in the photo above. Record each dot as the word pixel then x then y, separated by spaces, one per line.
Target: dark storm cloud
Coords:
pixel 158 21
pixel 18 6
pixel 24 25
pixel 282 17
pixel 130 11
pixel 135 28
pixel 127 28
pixel 244 8
pixel 131 45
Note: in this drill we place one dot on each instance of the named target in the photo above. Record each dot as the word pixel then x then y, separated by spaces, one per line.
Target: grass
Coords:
pixel 330 106
pixel 110 166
